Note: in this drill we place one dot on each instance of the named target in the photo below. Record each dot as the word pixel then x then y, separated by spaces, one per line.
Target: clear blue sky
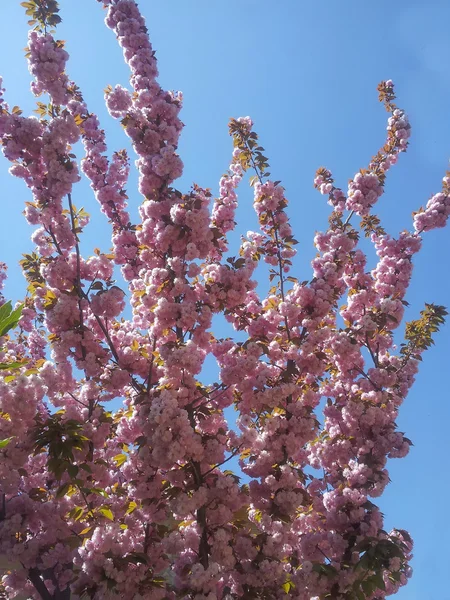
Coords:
pixel 306 71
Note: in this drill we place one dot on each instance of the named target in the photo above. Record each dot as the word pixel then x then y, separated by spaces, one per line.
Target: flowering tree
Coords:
pixel 138 503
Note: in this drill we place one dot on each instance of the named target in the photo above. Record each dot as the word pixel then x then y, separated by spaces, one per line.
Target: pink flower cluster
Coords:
pixel 150 115
pixel 366 187
pixel 224 207
pixel 363 192
pixel 436 212
pixel 109 303
pixel 47 63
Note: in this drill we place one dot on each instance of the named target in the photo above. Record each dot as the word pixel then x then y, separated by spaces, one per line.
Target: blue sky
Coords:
pixel 306 72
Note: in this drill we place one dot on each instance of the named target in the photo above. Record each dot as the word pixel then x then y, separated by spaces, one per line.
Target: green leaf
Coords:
pixel 288 586
pixel 395 576
pixel 99 492
pixel 73 470
pixel 78 513
pixel 5 310
pixel 85 531
pixel 119 459
pixel 327 570
pixel 360 594
pixel 85 467
pixel 368 587
pixel 5 442
pixel 58 467
pixel 54 20
pixel 158 582
pixel 8 317
pixel 62 490
pixel 131 507
pixel 378 581
pixel 12 365
pixel 137 557
pixel 106 512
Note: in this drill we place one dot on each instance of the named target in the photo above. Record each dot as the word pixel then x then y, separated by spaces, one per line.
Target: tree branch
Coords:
pixel 34 576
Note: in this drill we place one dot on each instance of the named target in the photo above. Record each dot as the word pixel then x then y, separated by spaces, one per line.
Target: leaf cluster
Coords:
pixel 31 265
pixel 43 14
pixel 59 439
pixel 372 224
pixel 419 333
pixel 251 152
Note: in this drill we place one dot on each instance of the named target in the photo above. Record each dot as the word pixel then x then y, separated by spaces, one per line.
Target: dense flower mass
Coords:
pixel 138 502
